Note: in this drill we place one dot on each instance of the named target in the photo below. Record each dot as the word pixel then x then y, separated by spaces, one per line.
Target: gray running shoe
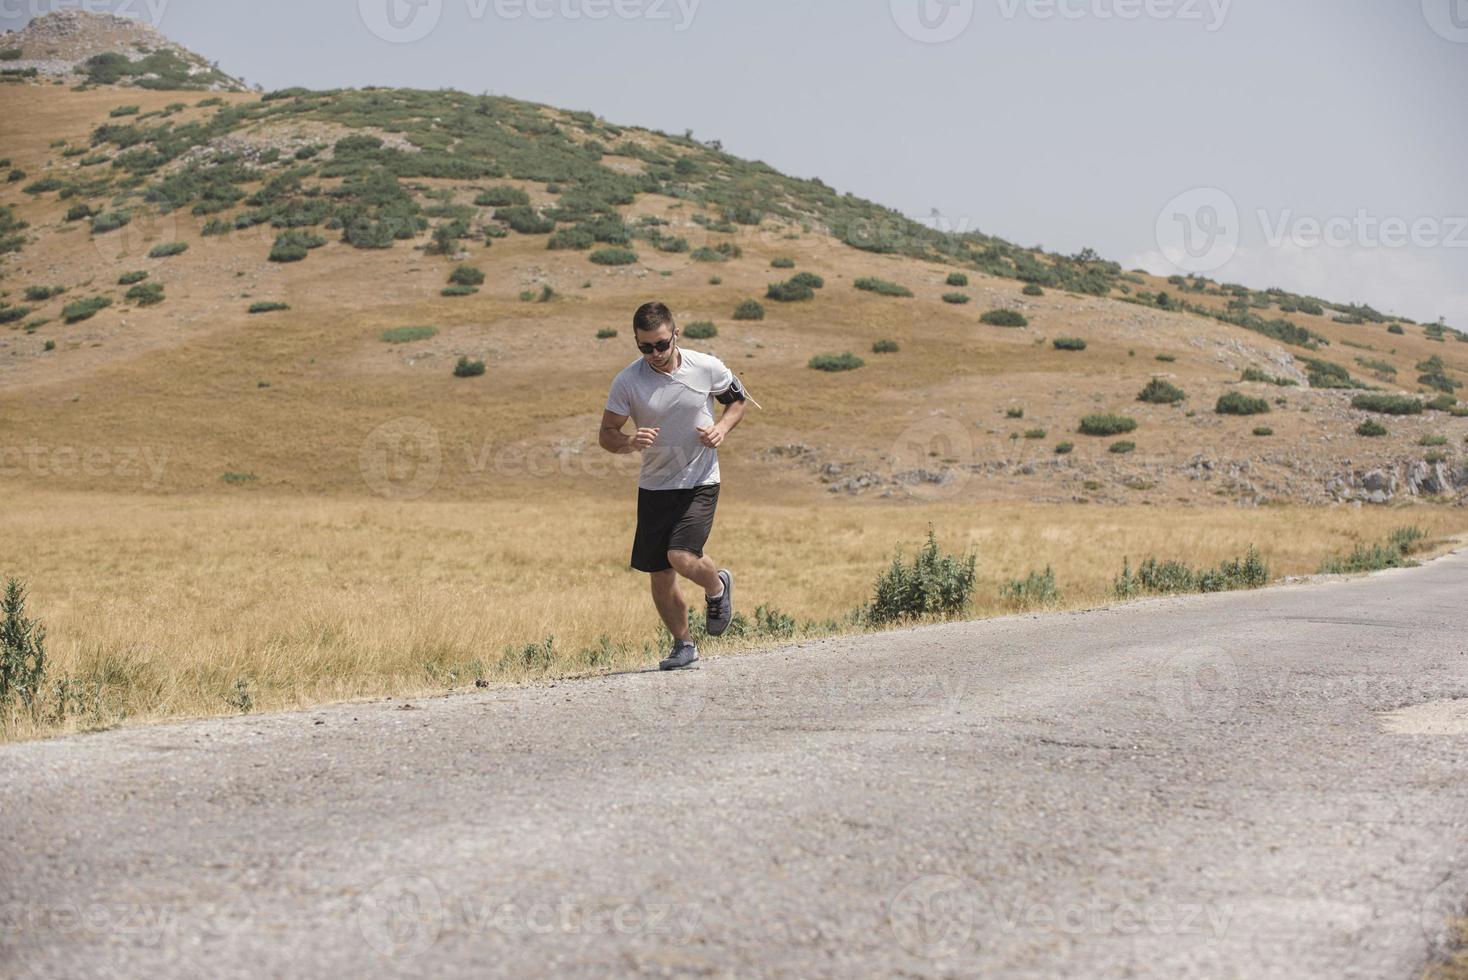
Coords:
pixel 721 610
pixel 684 654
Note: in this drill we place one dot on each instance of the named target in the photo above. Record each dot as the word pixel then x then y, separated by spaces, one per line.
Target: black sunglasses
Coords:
pixel 660 346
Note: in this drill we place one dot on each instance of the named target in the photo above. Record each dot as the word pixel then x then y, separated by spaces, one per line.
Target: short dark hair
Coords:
pixel 651 316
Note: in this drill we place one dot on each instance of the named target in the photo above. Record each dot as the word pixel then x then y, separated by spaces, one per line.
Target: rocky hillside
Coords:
pixel 281 275
pixel 105 49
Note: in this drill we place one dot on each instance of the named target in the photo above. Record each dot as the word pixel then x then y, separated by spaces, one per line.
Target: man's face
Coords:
pixel 663 335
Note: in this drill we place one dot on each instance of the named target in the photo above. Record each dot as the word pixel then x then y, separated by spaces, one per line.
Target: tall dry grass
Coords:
pixel 170 603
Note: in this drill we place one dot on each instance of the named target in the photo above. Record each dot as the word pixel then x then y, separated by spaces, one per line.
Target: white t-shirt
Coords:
pixel 676 403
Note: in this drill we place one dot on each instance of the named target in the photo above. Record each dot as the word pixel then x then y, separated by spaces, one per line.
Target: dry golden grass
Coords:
pixel 173 600
pixel 1455 966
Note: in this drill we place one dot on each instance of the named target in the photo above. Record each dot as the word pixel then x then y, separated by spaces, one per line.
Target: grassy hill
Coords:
pixel 238 447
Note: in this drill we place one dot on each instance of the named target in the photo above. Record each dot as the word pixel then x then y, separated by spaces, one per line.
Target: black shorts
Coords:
pixel 669 520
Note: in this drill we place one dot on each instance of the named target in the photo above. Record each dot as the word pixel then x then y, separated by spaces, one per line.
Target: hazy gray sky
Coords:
pixel 1064 123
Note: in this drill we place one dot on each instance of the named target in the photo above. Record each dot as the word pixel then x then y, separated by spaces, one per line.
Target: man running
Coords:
pixel 669 393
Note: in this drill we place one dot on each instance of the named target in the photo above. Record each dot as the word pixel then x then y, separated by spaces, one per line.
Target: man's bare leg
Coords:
pixel 695 569
pixel 669 600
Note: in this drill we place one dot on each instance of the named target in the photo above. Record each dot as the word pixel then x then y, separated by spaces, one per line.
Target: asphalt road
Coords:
pixel 1202 786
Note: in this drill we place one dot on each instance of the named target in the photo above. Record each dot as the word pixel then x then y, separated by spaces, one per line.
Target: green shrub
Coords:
pixel 39 294
pixel 1391 553
pixel 935 584
pixel 43 185
pixel 1122 446
pixel 1036 590
pixel 164 250
pixel 789 292
pixel 1014 412
pixel 407 335
pixel 1032 290
pixel 716 280
pixel 1064 448
pixel 1238 403
pixel 128 278
pixel 606 333
pixel 502 197
pixel 836 362
pixel 1263 430
pixel 146 293
pixel 1387 404
pixel 957 279
pixel 1069 343
pixel 9 314
pixel 15 176
pixel 881 286
pixel 749 310
pixel 292 246
pixel 1395 328
pixel 471 290
pixel 111 221
pixel 1035 433
pixel 885 347
pixel 49 345
pixel 124 110
pixel 808 279
pixel 613 256
pixel 78 212
pixel 1004 318
pixel 571 238
pixel 957 299
pixel 1256 375
pixel 84 309
pixel 237 479
pixel 468 369
pixel 1433 440
pixel 782 263
pixel 466 275
pixel 1443 403
pixel 22 654
pixel 1159 391
pixel 1166 358
pixel 1162 578
pixel 1371 428
pixel 1107 425
pixel 700 330
pixel 267 306
pixel 525 220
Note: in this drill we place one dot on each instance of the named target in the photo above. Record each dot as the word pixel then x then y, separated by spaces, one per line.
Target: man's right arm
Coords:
pixel 614 440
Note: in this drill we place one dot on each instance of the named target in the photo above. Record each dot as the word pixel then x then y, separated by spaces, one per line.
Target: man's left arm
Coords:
pixel 733 399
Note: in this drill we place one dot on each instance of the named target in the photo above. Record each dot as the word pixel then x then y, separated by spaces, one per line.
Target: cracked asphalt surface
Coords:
pixel 1194 786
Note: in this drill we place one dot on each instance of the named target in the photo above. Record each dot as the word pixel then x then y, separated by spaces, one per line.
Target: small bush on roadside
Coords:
pixel 934 584
pixel 1035 590
pixel 836 362
pixel 22 654
pixel 1392 553
pixel 1162 578
pixel 1238 403
pixel 1005 318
